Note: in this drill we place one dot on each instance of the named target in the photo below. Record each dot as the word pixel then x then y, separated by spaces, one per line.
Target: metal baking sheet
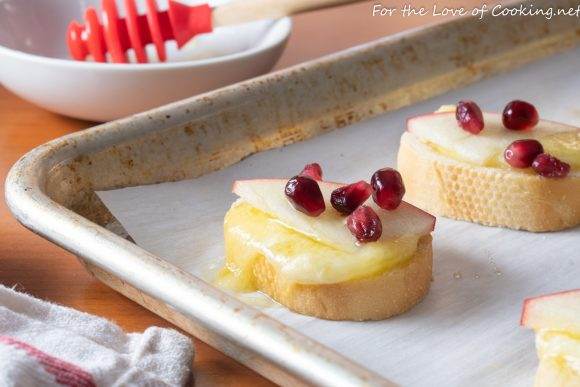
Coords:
pixel 466 332
pixel 51 190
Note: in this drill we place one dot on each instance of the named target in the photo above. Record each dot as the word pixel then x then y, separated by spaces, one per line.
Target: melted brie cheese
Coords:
pixel 252 234
pixel 563 347
pixel 442 133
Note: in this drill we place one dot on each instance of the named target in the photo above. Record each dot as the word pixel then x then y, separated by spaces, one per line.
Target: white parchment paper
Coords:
pixel 466 332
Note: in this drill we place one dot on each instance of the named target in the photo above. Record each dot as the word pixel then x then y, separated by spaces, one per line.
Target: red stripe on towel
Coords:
pixel 64 372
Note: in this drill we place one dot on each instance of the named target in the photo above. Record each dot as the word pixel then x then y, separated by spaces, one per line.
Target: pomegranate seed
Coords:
pixel 388 188
pixel 313 171
pixel 548 166
pixel 365 224
pixel 469 116
pixel 346 199
pixel 305 195
pixel 520 115
pixel 521 153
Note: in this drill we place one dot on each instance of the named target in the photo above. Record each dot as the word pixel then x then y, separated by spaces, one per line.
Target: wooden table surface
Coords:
pixel 34 265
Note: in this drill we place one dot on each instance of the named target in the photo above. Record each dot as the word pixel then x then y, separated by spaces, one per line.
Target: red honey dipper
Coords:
pixel 115 35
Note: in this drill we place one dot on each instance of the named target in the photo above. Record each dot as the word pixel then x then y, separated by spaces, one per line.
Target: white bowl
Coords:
pixel 34 62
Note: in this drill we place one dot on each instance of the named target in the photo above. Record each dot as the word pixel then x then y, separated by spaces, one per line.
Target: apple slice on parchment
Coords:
pixel 329 227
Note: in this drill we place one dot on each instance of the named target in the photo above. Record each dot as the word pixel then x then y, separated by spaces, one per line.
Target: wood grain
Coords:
pixel 36 266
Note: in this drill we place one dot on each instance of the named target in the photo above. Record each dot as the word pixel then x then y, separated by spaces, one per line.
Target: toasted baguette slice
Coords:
pixel 374 298
pixel 490 196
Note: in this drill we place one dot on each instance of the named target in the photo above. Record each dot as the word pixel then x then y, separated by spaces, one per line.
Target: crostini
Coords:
pixel 326 249
pixel 556 320
pixel 481 167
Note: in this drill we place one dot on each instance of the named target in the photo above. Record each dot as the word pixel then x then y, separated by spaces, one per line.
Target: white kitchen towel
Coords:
pixel 43 344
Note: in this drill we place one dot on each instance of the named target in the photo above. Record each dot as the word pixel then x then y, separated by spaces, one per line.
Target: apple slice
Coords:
pixel 555 312
pixel 268 196
pixel 486 148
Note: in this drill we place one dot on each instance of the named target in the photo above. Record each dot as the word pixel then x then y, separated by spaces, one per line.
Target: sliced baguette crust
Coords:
pixel 490 196
pixel 551 373
pixel 374 298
